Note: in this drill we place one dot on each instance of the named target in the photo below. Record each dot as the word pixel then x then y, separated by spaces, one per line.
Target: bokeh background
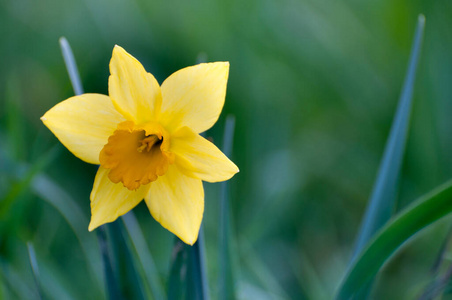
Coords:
pixel 313 87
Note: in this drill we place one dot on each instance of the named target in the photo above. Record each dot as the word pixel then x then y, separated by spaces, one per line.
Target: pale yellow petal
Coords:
pixel 177 203
pixel 83 124
pixel 197 157
pixel 110 201
pixel 134 92
pixel 194 97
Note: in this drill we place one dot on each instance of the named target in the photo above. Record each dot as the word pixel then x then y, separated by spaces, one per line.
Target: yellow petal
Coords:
pixel 83 124
pixel 197 157
pixel 194 97
pixel 134 92
pixel 177 203
pixel 110 201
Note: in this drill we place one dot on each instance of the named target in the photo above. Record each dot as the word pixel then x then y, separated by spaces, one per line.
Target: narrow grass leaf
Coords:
pixel 76 82
pixel 71 66
pixel 197 286
pixel 34 268
pixel 383 195
pixel 226 285
pixel 196 280
pixel 111 279
pixel 125 264
pixel 177 281
pixel 144 255
pixel 427 210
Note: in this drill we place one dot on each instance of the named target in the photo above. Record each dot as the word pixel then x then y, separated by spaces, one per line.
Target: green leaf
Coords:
pixel 34 268
pixel 111 279
pixel 420 214
pixel 382 200
pixel 197 287
pixel 124 263
pixel 144 255
pixel 187 278
pixel 226 286
pixel 177 282
pixel 383 195
pixel 71 66
pixel 112 286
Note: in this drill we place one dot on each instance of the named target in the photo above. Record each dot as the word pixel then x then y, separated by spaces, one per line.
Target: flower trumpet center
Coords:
pixel 136 155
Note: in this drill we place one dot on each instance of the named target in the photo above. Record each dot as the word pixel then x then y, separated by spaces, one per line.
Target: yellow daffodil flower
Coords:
pixel 145 137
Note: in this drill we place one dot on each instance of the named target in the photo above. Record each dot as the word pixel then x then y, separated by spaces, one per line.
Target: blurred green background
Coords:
pixel 313 85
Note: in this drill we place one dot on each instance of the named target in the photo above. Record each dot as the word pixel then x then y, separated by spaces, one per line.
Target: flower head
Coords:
pixel 145 137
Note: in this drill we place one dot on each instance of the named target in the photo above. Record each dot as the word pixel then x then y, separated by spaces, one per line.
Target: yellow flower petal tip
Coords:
pixel 145 137
pixel 91 226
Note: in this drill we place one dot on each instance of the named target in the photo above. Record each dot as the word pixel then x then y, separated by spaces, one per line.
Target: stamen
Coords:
pixel 148 142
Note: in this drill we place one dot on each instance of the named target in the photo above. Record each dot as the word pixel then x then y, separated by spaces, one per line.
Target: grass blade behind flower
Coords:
pixel 226 285
pixel 187 273
pixel 111 279
pixel 126 280
pixel 177 281
pixel 197 287
pixel 71 66
pixel 124 263
pixel 144 255
pixel 188 267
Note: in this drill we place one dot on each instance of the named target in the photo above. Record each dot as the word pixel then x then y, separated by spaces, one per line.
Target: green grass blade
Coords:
pixel 71 66
pixel 188 271
pixel 197 286
pixel 420 214
pixel 34 268
pixel 383 196
pixel 226 287
pixel 177 282
pixel 111 279
pixel 125 264
pixel 127 280
pixel 144 255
